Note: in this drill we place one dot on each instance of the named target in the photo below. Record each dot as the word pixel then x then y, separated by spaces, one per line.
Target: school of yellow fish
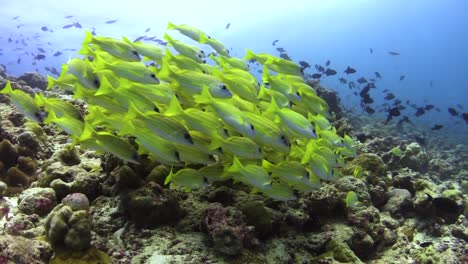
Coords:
pixel 184 107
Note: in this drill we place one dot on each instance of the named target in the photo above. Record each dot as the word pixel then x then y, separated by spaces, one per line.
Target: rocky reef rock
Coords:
pixel 38 201
pixel 68 228
pixel 150 206
pixel 34 80
pixel 227 230
pixel 17 249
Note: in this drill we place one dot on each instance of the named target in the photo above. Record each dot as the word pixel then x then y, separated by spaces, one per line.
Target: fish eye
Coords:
pixel 188 137
pixel 205 180
pixel 223 87
pixel 153 76
pixel 208 36
pixel 220 149
pixel 203 71
pixel 202 52
pixel 307 174
pixel 252 127
pixel 156 109
pixel 177 155
pixel 267 84
pixel 259 150
pixel 96 82
pixel 227 51
pixel 135 53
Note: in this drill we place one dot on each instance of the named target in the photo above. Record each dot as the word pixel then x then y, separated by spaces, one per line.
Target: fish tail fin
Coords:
pixel 133 113
pixel 88 132
pixel 165 73
pixel 265 74
pixel 51 117
pixel 39 99
pixel 216 142
pixel 170 26
pixel 204 38
pixel 267 165
pixel 168 39
pixel 249 55
pixel 169 177
pixel 205 96
pixel 7 89
pixel 126 40
pixel 51 82
pixel 236 165
pixel 85 49
pixel 174 108
pixel 273 107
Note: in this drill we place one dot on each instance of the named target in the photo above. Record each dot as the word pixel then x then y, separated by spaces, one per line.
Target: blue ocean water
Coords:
pixel 430 36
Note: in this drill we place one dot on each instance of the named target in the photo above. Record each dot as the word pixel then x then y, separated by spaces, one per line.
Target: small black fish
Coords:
pixel 68 16
pixel 304 64
pixel 437 127
pixel 351 85
pixel 77 25
pixel 386 90
pixel 44 28
pixel 460 106
pixel 18 61
pixel 39 57
pixel 41 50
pixel 148 29
pixel 465 117
pixel 361 80
pixel 319 68
pixel 430 83
pixel 389 96
pixel 68 26
pixel 330 72
pixel 393 53
pixel 349 70
pixel 395 111
pixel 285 56
pixel 274 42
pixel 369 110
pixel 9 40
pixel 419 112
pixel 228 25
pixel 452 111
pixel 280 50
pixel 371 50
pixel 343 80
pixel 428 107
pixel 402 77
pixel 377 75
pixel 139 38
pixel 316 76
pixel 16 17
pixel 149 38
pixel 58 53
pixel 327 63
pixel 111 21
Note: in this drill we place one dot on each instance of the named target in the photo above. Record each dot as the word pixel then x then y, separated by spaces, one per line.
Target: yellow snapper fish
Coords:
pixel 192 82
pixel 166 127
pixel 58 106
pixel 83 71
pixel 227 112
pixel 294 122
pixel 190 51
pixel 241 147
pixel 236 85
pixel 231 62
pixel 134 71
pixel 292 173
pixel 183 62
pixel 268 133
pixel 67 123
pixel 259 57
pixel 65 82
pixel 187 178
pixel 284 66
pixel 251 174
pixel 189 31
pixel 160 149
pixel 23 102
pixel 149 51
pixel 215 44
pixel 280 191
pixel 112 46
pixel 196 119
pixel 108 142
pixel 277 84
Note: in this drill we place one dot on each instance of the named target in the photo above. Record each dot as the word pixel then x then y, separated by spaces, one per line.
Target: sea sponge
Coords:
pixel 8 153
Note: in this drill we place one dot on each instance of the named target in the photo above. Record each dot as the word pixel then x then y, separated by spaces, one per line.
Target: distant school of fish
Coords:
pixel 273 135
